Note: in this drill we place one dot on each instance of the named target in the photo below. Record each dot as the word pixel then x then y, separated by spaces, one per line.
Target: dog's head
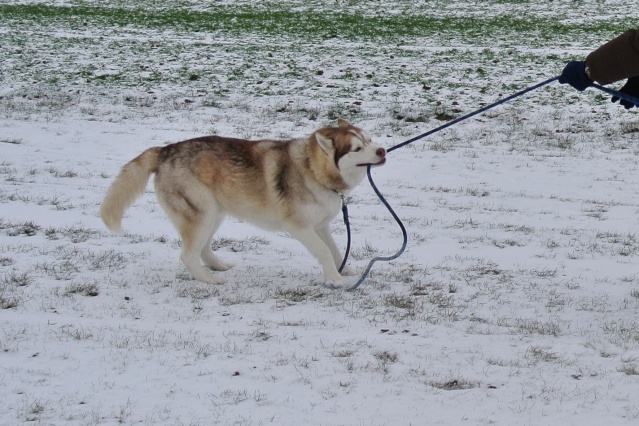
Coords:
pixel 351 150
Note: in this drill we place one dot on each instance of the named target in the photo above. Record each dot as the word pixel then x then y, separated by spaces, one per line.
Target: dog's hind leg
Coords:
pixel 194 237
pixel 187 210
pixel 208 257
pixel 318 248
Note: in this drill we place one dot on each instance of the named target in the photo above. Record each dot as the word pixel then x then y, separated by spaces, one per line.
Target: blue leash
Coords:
pixel 472 114
pixel 621 95
pixel 423 135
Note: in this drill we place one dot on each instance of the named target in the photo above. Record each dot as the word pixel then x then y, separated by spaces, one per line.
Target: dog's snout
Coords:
pixel 381 152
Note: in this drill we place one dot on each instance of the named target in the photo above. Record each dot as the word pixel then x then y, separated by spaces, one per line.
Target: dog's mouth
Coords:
pixel 380 163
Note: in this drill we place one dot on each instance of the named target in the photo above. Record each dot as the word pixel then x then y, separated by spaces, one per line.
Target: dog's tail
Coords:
pixel 127 187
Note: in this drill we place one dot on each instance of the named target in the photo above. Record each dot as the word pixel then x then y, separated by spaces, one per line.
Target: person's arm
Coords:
pixel 616 60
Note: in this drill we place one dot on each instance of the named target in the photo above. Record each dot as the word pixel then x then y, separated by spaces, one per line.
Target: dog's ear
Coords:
pixel 325 143
pixel 342 124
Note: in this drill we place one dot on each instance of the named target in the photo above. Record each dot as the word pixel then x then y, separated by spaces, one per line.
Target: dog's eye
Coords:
pixel 358 149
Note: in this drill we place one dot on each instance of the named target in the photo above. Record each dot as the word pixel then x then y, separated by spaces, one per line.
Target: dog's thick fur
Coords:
pixel 291 186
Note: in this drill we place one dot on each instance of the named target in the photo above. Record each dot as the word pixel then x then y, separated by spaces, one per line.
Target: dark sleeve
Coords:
pixel 616 60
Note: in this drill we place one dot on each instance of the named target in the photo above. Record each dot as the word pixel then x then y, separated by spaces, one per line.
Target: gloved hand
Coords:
pixel 630 88
pixel 574 73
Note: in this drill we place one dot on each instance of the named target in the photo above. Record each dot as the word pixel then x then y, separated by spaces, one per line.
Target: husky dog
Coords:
pixel 293 186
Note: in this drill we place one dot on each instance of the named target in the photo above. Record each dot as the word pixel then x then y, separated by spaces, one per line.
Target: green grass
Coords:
pixel 275 49
pixel 185 55
pixel 311 24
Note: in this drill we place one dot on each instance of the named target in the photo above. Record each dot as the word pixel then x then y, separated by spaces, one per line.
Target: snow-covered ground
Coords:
pixel 516 301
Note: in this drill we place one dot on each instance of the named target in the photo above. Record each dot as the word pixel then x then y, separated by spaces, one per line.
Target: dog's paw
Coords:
pixel 210 279
pixel 348 271
pixel 202 275
pixel 335 283
pixel 223 266
pixel 216 264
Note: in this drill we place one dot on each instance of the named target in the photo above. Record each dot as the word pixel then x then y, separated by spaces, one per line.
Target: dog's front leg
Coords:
pixel 325 234
pixel 318 248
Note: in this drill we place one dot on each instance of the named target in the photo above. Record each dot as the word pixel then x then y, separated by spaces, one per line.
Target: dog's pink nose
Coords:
pixel 381 152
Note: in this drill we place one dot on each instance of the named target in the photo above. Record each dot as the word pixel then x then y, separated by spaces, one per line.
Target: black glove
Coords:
pixel 574 73
pixel 630 88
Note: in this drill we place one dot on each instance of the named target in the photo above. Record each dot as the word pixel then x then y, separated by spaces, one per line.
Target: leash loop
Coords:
pixel 401 226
